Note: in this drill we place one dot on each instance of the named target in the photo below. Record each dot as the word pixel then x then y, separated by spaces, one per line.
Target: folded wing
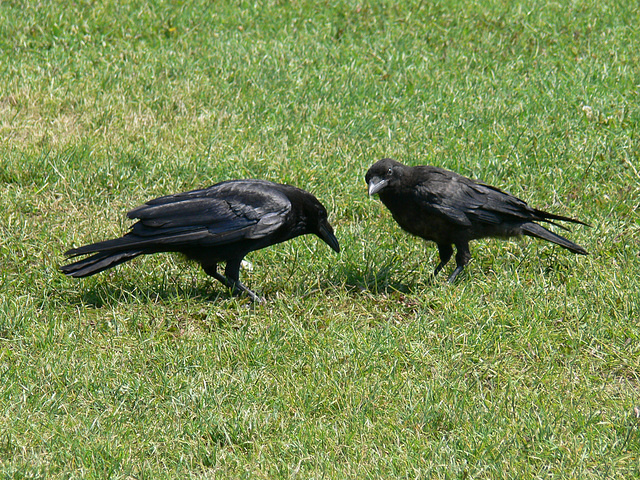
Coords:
pixel 466 202
pixel 225 213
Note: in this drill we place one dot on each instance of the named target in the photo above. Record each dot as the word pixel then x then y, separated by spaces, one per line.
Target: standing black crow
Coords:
pixel 450 209
pixel 220 223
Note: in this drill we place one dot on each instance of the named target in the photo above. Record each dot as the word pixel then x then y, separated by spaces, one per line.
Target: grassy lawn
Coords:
pixel 358 365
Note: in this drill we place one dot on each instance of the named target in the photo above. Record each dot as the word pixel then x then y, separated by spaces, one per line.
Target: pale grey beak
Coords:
pixel 376 184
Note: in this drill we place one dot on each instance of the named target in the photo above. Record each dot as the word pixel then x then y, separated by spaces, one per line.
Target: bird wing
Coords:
pixel 224 213
pixel 464 201
pixel 492 205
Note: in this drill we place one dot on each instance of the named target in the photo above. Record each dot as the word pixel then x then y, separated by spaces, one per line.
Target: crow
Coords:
pixel 449 209
pixel 221 223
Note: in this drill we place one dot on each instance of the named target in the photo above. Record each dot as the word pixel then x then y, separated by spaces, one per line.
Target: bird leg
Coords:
pixel 463 255
pixel 232 279
pixel 445 251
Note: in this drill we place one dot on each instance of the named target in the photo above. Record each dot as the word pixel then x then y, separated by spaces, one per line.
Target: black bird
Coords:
pixel 220 223
pixel 449 209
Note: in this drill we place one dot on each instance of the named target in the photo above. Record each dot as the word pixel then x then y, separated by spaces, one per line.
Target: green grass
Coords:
pixel 358 365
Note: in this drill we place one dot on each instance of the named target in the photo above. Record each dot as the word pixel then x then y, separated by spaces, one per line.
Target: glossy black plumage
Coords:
pixel 220 223
pixel 449 209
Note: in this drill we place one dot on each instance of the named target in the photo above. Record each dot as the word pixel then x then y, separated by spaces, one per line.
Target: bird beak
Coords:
pixel 327 236
pixel 376 184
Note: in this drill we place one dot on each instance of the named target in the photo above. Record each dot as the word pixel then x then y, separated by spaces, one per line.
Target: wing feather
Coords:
pixel 224 213
pixel 463 201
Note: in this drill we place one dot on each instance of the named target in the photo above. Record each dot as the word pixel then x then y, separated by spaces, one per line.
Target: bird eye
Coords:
pixel 390 171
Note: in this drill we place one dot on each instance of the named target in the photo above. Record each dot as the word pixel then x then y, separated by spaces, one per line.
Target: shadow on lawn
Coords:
pixel 384 279
pixel 110 293
pixel 379 279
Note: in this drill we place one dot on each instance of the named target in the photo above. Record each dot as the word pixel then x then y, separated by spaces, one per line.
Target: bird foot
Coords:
pixel 455 274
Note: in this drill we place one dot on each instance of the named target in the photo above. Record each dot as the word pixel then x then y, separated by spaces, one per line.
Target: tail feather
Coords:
pixel 150 244
pixel 97 263
pixel 116 244
pixel 547 217
pixel 109 253
pixel 535 230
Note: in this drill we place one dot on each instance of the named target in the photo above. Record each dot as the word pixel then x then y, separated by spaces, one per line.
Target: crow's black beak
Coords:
pixel 376 184
pixel 325 232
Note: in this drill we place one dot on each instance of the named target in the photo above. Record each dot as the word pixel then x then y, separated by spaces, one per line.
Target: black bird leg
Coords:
pixel 463 255
pixel 231 279
pixel 445 250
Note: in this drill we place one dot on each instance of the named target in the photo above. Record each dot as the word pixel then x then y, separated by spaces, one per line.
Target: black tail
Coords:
pixel 97 263
pixel 535 230
pixel 165 241
pixel 547 217
pixel 110 253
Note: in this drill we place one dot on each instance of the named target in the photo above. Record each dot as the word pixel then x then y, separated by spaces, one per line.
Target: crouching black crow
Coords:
pixel 220 223
pixel 450 209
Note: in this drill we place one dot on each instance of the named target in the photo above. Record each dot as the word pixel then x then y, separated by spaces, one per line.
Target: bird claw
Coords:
pixel 455 274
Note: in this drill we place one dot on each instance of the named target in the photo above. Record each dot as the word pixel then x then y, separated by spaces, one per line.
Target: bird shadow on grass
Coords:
pixel 383 279
pixel 392 276
pixel 109 294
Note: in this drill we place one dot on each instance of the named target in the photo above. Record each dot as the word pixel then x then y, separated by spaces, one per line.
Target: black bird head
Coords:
pixel 316 221
pixel 385 173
